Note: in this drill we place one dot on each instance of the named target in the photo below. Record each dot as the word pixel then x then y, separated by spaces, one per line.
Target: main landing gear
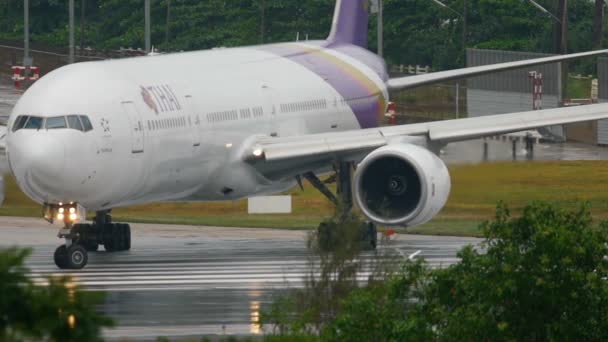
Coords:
pixel 344 204
pixel 83 238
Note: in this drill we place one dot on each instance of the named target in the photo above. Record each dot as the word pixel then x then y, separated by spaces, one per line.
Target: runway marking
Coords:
pixel 195 268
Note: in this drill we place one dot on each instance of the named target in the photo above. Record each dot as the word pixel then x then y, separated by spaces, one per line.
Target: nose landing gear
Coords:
pixel 83 238
pixel 73 257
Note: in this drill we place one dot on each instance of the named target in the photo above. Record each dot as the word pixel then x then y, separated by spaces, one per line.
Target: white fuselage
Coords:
pixel 172 127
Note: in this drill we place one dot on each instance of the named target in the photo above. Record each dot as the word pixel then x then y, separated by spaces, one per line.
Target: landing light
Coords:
pixel 258 152
pixel 71 213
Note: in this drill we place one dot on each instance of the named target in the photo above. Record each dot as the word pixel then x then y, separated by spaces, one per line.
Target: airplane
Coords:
pixel 232 123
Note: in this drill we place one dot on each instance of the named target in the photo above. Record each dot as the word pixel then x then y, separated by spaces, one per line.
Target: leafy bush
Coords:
pixel 538 277
pixel 58 311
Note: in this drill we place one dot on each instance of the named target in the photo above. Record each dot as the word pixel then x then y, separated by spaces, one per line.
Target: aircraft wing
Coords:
pixel 441 76
pixel 285 156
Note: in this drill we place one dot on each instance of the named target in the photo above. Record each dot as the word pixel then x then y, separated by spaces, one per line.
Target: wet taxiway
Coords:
pixel 192 281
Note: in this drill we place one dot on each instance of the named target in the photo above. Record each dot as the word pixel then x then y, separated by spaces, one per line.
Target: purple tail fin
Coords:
pixel 350 23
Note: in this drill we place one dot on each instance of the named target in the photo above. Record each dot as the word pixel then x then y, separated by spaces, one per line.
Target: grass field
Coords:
pixel 578 88
pixel 476 190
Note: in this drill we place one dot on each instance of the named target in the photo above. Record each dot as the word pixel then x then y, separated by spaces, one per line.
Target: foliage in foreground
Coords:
pixel 538 277
pixel 331 277
pixel 57 312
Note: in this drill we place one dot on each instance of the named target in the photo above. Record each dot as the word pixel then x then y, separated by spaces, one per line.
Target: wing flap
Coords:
pixel 473 128
pixel 441 76
pixel 484 126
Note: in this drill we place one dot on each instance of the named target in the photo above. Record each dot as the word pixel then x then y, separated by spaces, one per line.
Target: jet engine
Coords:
pixel 401 185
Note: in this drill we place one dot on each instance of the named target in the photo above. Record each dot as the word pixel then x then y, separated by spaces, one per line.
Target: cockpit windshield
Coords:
pixel 31 122
pixel 77 122
pixel 56 122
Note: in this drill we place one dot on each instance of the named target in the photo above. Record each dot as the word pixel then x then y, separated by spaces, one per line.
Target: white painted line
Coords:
pixel 414 255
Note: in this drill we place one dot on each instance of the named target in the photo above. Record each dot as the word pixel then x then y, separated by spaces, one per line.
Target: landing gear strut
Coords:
pixel 83 238
pixel 343 201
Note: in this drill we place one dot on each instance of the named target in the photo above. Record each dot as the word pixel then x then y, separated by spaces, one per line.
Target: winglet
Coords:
pixel 350 24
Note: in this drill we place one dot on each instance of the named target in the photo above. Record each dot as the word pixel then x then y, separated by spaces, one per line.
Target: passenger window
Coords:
pixel 74 122
pixel 34 122
pixel 86 123
pixel 56 122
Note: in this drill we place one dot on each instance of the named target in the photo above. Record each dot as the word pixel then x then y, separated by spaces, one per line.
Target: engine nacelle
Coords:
pixel 401 185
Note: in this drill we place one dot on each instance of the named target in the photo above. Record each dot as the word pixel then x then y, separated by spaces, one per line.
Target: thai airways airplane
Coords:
pixel 227 124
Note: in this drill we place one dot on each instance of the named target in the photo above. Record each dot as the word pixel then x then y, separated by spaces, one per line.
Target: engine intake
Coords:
pixel 401 185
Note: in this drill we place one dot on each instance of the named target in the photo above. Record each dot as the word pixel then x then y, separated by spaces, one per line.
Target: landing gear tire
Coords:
pixel 87 236
pixel 111 241
pixel 126 236
pixel 61 256
pixel 326 236
pixel 77 257
pixel 74 257
pixel 91 246
pixel 369 236
pixel 117 237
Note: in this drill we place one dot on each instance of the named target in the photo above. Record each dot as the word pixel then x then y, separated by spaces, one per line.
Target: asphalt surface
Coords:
pixel 186 281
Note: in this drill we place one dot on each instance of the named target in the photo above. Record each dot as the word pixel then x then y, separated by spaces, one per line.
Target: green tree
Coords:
pixel 385 310
pixel 538 277
pixel 57 311
pixel 542 277
pixel 416 31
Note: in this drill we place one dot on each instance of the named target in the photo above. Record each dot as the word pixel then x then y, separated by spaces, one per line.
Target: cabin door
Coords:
pixel 136 127
pixel 194 122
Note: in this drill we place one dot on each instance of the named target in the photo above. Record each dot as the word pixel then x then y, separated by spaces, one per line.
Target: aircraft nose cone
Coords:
pixel 37 161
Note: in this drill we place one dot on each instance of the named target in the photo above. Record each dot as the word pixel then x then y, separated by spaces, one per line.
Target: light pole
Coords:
pixel 27 60
pixel 71 43
pixel 147 25
pixel 380 28
pixel 544 10
pixel 168 28
pixel 262 20
pixel 82 11
pixel 561 44
pixel 463 16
